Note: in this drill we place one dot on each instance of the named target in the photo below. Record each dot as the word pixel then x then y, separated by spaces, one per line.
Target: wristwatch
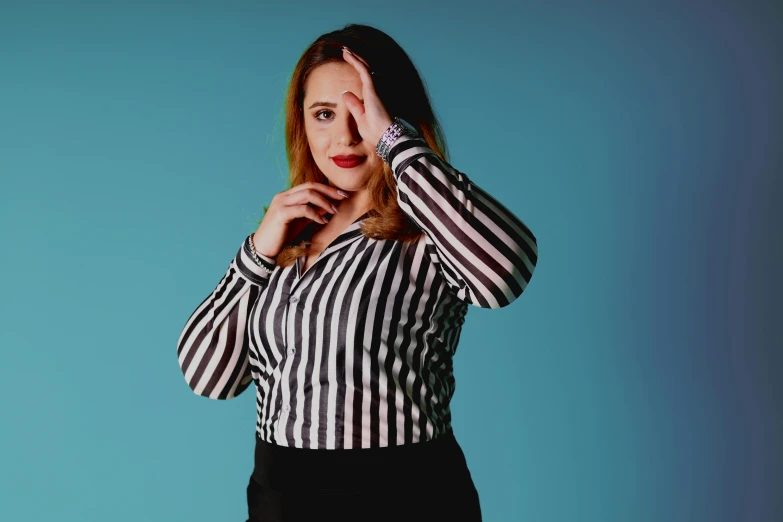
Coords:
pixel 399 127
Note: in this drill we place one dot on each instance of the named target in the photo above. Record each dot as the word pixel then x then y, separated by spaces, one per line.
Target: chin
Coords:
pixel 346 180
pixel 348 187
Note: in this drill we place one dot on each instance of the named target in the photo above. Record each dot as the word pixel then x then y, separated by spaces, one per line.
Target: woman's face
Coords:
pixel 331 129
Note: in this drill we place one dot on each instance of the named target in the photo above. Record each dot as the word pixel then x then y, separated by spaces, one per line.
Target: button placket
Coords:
pixel 290 318
pixel 285 407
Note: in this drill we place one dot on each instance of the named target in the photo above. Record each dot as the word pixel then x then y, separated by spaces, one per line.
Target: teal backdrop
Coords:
pixel 636 379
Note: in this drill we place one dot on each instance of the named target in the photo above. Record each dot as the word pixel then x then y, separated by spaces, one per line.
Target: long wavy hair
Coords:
pixel 402 92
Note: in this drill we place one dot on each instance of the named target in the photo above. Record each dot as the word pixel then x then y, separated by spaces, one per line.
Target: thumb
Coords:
pixel 354 103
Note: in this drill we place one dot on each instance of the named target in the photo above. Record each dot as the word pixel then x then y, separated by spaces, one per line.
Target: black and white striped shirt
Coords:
pixel 357 351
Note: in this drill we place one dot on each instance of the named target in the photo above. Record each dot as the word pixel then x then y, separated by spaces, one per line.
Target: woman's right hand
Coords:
pixel 291 209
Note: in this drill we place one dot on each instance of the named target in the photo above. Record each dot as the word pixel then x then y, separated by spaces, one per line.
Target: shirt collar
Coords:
pixel 351 231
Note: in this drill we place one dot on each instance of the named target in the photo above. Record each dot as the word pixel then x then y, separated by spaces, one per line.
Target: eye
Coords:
pixel 317 114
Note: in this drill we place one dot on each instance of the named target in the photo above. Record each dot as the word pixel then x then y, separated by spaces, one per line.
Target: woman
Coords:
pixel 345 306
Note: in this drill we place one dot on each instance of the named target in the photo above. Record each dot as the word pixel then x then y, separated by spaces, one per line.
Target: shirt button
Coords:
pixel 292 351
pixel 294 300
pixel 286 407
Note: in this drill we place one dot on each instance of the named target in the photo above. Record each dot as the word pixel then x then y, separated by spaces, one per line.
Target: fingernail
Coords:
pixel 347 50
pixel 326 217
pixel 343 194
pixel 335 209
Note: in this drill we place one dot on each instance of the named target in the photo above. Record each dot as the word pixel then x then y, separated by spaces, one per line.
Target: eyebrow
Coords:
pixel 326 104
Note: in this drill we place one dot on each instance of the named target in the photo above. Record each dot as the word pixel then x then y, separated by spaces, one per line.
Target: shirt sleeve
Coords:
pixel 213 348
pixel 486 254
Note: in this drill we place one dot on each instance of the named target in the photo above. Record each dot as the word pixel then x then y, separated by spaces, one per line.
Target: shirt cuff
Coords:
pixel 406 148
pixel 248 267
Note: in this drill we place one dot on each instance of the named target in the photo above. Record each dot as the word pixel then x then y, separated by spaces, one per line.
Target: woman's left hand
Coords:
pixel 371 117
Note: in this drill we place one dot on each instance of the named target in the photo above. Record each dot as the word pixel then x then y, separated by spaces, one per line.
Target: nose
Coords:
pixel 347 131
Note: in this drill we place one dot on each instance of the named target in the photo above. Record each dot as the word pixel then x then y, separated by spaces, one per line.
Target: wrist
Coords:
pixel 385 124
pixel 263 260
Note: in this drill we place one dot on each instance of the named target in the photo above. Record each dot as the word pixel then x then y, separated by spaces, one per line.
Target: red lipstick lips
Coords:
pixel 348 161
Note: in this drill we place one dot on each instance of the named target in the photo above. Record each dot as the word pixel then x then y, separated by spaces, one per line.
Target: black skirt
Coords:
pixel 425 481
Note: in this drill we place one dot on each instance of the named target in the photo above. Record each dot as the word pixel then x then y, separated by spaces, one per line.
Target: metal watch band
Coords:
pixel 398 128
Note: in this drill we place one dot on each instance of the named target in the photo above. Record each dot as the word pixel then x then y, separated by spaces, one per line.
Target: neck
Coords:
pixel 357 203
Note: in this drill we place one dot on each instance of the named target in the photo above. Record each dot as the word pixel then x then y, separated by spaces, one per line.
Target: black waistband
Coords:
pixel 283 467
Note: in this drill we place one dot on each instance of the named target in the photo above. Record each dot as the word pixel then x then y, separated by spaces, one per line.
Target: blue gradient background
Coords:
pixel 636 379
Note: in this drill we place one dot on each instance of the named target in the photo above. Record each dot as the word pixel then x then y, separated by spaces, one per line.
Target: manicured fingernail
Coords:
pixel 335 209
pixel 347 50
pixel 343 194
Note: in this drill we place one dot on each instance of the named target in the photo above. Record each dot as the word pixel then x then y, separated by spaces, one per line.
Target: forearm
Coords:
pixel 488 253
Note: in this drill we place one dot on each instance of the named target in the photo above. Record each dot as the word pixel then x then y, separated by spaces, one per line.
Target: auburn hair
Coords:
pixel 402 92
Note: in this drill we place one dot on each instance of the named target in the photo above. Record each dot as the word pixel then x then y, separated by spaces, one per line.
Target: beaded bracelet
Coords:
pixel 260 262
